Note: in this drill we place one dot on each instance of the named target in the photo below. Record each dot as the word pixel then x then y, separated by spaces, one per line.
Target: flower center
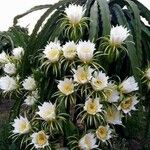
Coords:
pixel 92 108
pixel 68 88
pixel 22 126
pixel 87 142
pixel 83 76
pixel 108 93
pixel 86 50
pixel 71 51
pixel 41 139
pixel 49 112
pixel 102 132
pixel 53 53
pixel 110 114
pixel 126 104
pixel 98 82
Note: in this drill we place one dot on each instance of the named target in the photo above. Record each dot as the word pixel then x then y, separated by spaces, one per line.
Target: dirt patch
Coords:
pixel 5 106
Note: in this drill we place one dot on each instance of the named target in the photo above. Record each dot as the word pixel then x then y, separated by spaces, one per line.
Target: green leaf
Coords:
pixel 47 30
pixel 6 40
pixel 136 22
pixel 120 15
pixel 46 14
pixel 144 11
pixel 145 30
pixel 93 33
pixel 19 37
pixel 88 7
pixel 105 16
pixel 40 7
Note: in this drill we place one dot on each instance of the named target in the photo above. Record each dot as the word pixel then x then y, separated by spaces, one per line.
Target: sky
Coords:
pixel 10 8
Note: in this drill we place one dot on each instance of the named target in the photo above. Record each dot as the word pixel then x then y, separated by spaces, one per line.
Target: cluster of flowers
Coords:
pixel 104 102
pixel 99 102
pixel 70 49
pixel 10 82
pixel 9 64
pixel 29 84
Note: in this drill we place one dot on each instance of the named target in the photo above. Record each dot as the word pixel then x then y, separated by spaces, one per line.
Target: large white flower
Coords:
pixel 66 86
pixel 112 93
pixel 85 50
pixel 128 104
pixel 47 111
pixel 18 52
pixel 10 68
pixel 52 51
pixel 21 125
pixel 99 81
pixel 4 58
pixel 103 133
pixel 29 84
pixel 118 35
pixel 31 99
pixel 129 85
pixel 92 106
pixel 113 116
pixel 8 83
pixel 82 75
pixel 69 50
pixel 40 139
pixel 74 13
pixel 88 142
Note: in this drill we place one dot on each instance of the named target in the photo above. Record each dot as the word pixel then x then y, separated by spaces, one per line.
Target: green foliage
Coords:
pixel 136 24
pixel 105 16
pixel 94 22
pixel 5 141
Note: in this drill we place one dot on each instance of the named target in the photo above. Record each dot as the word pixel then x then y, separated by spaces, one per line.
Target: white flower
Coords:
pixel 113 116
pixel 88 142
pixel 118 35
pixel 128 104
pixel 69 50
pixel 8 83
pixel 147 74
pixel 82 75
pixel 74 13
pixel 129 85
pixel 66 86
pixel 21 125
pixel 10 68
pixel 103 133
pixel 31 99
pixel 47 111
pixel 52 51
pixel 112 93
pixel 40 139
pixel 85 50
pixel 29 84
pixel 18 52
pixel 92 106
pixel 99 81
pixel 3 58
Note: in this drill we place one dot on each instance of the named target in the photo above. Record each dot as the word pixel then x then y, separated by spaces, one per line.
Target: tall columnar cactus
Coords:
pixel 80 73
